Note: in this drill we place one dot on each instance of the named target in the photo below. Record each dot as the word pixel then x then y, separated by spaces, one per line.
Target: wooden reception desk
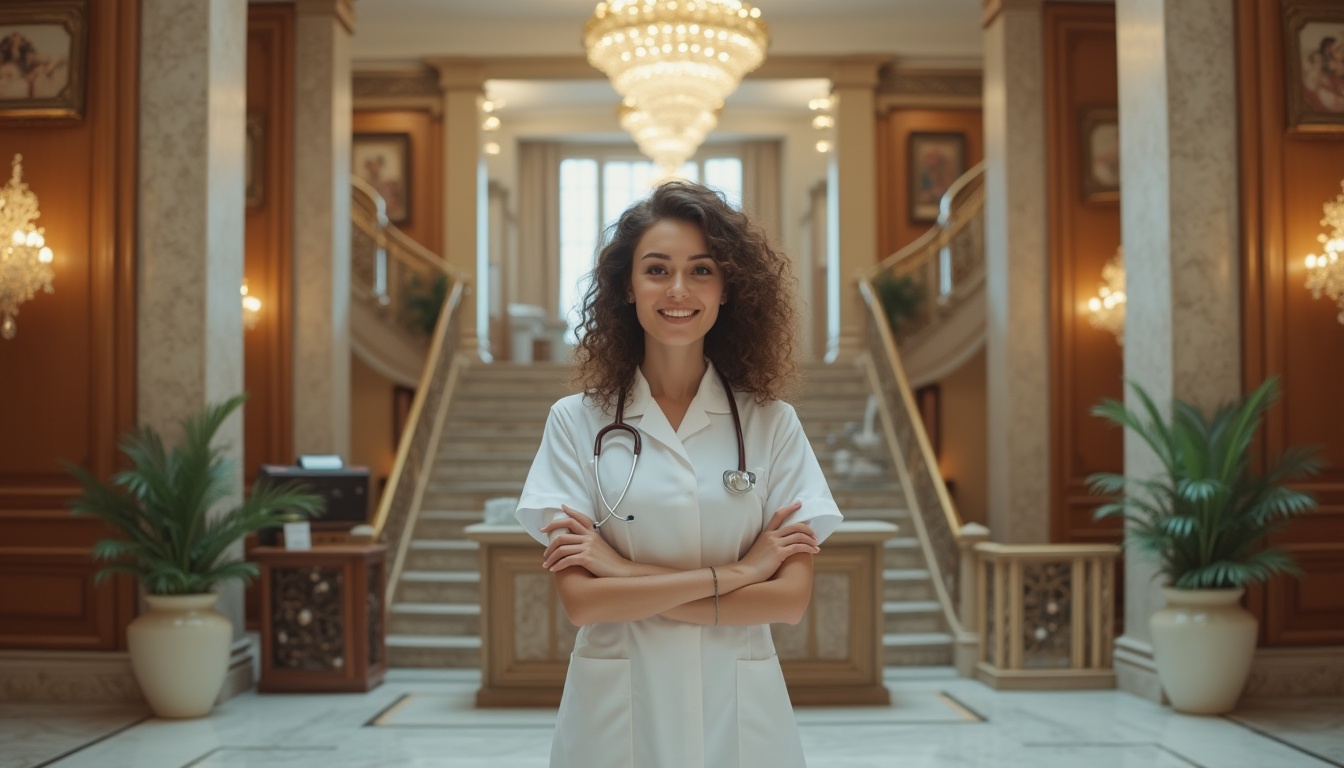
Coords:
pixel 832 657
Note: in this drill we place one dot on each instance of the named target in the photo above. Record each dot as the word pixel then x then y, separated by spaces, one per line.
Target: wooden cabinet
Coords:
pixel 322 618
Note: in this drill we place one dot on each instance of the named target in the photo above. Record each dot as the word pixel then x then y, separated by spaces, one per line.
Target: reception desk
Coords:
pixel 832 657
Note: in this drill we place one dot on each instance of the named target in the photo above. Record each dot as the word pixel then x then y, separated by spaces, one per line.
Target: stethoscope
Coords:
pixel 736 481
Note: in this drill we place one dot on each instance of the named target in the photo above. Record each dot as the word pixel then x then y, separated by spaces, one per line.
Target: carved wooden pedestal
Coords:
pixel 832 657
pixel 322 618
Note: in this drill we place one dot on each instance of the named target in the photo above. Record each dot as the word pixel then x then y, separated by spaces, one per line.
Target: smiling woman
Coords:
pixel 675 567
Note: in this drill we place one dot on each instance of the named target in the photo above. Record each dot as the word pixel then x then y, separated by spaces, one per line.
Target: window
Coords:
pixel 595 189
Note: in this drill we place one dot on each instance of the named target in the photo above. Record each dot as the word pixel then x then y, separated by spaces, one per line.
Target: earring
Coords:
pixel 724 300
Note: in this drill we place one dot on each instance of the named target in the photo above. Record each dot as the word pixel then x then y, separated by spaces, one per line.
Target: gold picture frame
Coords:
pixel 43 60
pixel 1313 49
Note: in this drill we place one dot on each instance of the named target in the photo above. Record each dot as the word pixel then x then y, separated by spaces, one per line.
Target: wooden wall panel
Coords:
pixel 1086 363
pixel 895 229
pixel 68 379
pixel 1286 175
pixel 269 241
pixel 426 136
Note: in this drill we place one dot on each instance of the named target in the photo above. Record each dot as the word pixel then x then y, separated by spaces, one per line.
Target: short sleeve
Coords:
pixel 558 476
pixel 795 475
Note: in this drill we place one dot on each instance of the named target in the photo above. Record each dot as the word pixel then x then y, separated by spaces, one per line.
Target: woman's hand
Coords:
pixel 583 546
pixel 777 544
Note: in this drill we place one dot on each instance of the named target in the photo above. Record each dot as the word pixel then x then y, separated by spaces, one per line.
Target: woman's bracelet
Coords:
pixel 715 575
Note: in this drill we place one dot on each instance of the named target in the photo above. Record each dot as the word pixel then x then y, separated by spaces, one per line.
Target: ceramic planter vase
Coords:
pixel 180 653
pixel 1203 641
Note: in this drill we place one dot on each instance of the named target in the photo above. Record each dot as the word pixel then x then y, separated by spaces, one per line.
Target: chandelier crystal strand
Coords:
pixel 1325 270
pixel 674 62
pixel 25 259
pixel 1108 306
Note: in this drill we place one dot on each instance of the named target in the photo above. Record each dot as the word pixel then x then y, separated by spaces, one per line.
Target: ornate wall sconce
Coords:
pixel 1108 306
pixel 25 259
pixel 1325 270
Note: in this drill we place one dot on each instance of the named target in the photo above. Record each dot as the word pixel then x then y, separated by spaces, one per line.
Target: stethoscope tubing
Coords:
pixel 736 482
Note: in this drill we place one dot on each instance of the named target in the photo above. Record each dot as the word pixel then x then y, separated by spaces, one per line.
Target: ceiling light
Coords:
pixel 672 85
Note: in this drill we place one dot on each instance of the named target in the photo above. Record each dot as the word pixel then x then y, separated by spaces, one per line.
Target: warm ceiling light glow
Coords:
pixel 673 64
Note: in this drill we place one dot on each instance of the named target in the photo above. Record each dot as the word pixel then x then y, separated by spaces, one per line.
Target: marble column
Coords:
pixel 1179 222
pixel 1016 273
pixel 322 126
pixel 189 325
pixel 463 84
pixel 852 211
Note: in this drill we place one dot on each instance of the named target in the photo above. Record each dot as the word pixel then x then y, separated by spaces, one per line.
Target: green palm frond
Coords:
pixel 1205 516
pixel 162 508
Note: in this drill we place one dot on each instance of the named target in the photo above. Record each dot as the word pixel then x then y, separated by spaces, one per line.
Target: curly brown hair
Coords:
pixel 752 340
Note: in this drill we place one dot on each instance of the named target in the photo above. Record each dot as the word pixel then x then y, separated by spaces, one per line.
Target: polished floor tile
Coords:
pixel 423 719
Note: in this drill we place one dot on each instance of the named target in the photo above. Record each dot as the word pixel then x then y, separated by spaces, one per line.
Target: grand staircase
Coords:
pixel 491 434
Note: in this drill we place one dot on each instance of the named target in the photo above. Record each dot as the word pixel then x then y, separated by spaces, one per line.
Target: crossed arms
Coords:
pixel 772 583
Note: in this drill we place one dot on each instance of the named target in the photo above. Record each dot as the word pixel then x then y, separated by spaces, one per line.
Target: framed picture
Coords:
pixel 43 48
pixel 1101 154
pixel 383 161
pixel 1314 48
pixel 936 160
pixel 254 164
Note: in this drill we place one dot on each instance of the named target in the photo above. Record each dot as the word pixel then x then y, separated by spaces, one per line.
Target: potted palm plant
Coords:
pixel 180 552
pixel 1205 518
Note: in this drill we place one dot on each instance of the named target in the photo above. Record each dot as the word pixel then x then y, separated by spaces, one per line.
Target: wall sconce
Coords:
pixel 1108 306
pixel 251 309
pixel 1325 270
pixel 25 261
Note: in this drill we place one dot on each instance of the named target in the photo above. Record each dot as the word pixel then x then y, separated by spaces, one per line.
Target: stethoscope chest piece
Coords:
pixel 738 481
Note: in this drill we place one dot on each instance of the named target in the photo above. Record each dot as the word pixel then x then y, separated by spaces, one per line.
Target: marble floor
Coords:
pixel 420 719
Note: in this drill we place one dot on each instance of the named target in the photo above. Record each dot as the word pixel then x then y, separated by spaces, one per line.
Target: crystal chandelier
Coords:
pixel 1325 271
pixel 25 262
pixel 674 62
pixel 1108 306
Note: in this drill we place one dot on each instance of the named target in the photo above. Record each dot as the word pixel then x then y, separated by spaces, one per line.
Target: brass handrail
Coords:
pixel 385 262
pixel 933 513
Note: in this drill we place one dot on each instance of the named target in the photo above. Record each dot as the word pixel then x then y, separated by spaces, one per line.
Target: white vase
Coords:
pixel 180 653
pixel 1203 641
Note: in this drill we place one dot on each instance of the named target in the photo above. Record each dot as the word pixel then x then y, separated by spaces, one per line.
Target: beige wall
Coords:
pixel 964 458
pixel 371 421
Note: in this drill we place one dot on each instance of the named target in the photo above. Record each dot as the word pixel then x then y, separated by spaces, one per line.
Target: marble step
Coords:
pixel 446 524
pixel 447 555
pixel 903 584
pixel 903 552
pixel 912 616
pixel 435 619
pixel 472 495
pixel 923 649
pixel 439 587
pixel 434 652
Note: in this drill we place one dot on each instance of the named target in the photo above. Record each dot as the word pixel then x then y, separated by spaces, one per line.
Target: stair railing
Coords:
pixel 1046 608
pixel 387 264
pixel 942 267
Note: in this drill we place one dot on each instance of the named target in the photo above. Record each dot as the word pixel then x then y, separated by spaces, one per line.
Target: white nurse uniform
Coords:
pixel 657 692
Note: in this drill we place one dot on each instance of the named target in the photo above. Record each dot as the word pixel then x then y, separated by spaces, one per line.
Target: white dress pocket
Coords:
pixel 594 727
pixel 767 736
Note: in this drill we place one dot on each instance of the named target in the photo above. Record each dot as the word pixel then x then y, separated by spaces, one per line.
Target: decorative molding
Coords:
pixel 416 83
pixel 342 10
pixel 1135 669
pixel 1313 671
pixel 990 9
pixel 930 89
pixel 67 677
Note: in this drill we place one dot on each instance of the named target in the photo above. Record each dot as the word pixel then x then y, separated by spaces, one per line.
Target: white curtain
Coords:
pixel 536 275
pixel 761 181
